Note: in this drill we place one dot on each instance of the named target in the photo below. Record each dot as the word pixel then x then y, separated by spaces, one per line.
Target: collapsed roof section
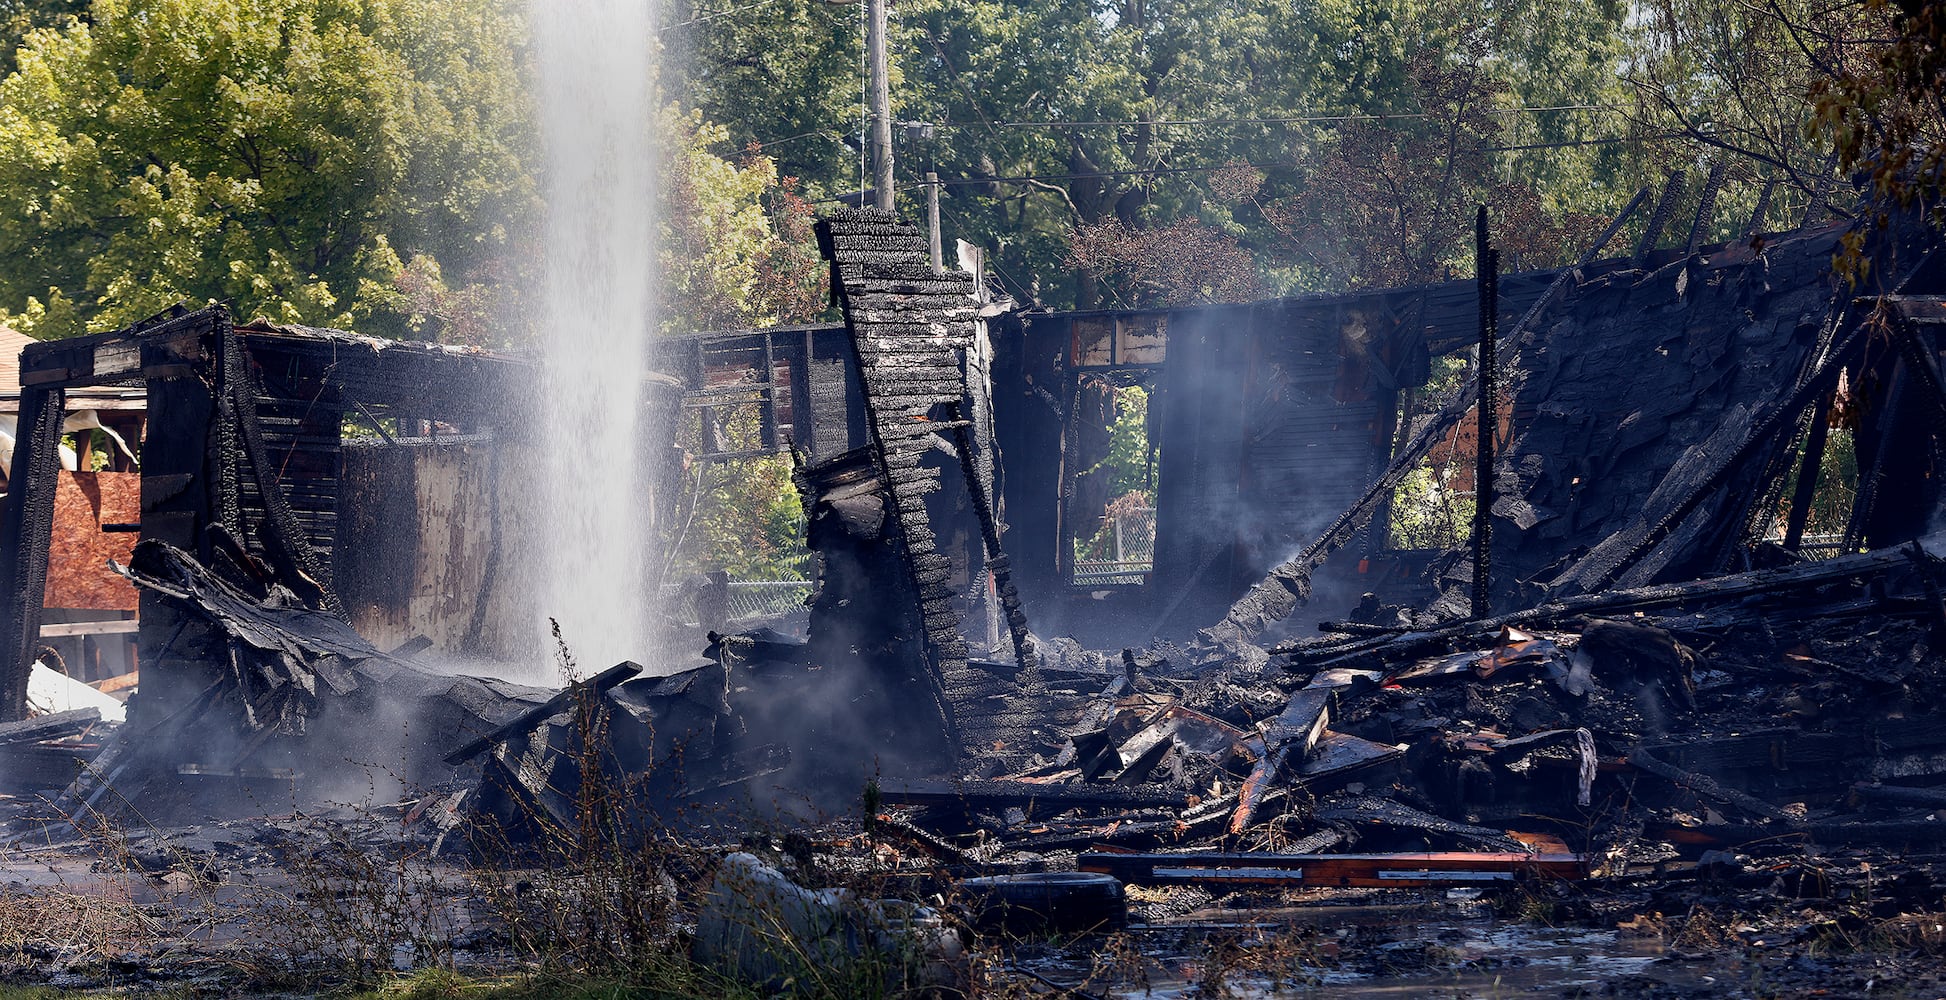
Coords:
pixel 247 460
pixel 1652 416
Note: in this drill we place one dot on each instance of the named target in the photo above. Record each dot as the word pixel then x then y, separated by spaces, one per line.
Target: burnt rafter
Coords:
pixel 1653 477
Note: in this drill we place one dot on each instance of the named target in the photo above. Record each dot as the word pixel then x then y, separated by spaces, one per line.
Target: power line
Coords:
pixel 763 144
pixel 1563 144
pixel 1293 120
pixel 1159 171
pixel 721 13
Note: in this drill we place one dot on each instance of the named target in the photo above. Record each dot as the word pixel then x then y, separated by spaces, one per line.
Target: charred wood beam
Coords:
pixel 1771 584
pixel 26 531
pixel 525 722
pixel 1807 475
pixel 1705 208
pixel 1097 713
pixel 1293 734
pixel 1334 870
pixel 49 727
pixel 1664 208
pixel 1881 458
pixel 1756 223
pixel 1368 811
pixel 282 538
pixel 1931 798
pixel 1892 833
pixel 1786 411
pixel 997 562
pixel 1642 760
pixel 157 347
pixel 997 795
pixel 456 385
pixel 1487 271
pixel 1915 312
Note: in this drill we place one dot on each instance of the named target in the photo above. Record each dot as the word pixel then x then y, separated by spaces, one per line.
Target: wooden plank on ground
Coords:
pixel 1446 868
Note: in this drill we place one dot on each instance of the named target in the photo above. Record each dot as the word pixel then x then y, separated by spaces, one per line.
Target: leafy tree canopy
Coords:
pixel 286 155
pixel 1077 138
pixel 737 249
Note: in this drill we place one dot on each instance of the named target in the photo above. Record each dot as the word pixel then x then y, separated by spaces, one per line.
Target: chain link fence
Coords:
pixel 1132 537
pixel 745 600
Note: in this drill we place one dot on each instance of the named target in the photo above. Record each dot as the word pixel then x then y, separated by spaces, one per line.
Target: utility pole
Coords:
pixel 932 222
pixel 879 114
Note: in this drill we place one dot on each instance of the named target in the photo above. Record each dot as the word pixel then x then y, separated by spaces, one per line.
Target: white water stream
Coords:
pixel 597 310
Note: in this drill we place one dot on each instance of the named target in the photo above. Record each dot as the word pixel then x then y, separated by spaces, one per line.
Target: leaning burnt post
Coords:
pixel 1487 268
pixel 911 329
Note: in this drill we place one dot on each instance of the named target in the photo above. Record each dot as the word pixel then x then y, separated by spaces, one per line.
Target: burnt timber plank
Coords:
pixel 26 531
pixel 1336 870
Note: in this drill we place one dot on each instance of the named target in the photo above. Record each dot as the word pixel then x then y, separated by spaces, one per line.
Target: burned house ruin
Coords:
pixel 1688 567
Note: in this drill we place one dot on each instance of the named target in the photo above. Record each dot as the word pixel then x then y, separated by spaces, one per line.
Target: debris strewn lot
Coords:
pixel 1626 749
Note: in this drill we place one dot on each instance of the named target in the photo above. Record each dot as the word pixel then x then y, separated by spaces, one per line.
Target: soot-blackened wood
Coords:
pixel 1792 587
pixel 1288 740
pixel 1036 799
pixel 1807 475
pixel 1334 870
pixel 177 486
pixel 1289 583
pixel 1487 270
pixel 282 539
pixel 26 529
pixel 525 722
pixel 1756 223
pixel 1705 207
pixel 1664 208
pixel 907 327
pixel 1876 455
pixel 49 727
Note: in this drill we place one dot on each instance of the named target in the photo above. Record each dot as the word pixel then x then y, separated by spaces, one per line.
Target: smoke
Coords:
pixel 1270 441
pixel 1934 541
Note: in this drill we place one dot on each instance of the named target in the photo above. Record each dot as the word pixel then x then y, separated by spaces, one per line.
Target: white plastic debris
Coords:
pixel 50 691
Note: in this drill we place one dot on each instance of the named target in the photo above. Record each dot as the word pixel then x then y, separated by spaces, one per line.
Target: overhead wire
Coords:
pixel 717 14
pixel 1161 171
pixel 1287 120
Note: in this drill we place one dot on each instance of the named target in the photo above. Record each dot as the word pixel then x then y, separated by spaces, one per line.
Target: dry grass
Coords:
pixel 77 926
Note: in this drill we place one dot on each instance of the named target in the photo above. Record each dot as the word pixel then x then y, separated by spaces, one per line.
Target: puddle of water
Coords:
pixel 1386 951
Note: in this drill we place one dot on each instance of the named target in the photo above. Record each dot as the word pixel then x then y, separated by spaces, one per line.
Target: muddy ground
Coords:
pixel 350 898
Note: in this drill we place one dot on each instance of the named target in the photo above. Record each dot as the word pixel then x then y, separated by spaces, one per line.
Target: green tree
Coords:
pixel 737 247
pixel 20 17
pixel 1096 145
pixel 1882 105
pixel 782 80
pixel 290 156
pixel 1734 82
pixel 1069 116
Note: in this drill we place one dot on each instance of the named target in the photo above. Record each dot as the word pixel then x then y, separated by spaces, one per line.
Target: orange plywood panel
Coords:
pixel 77 559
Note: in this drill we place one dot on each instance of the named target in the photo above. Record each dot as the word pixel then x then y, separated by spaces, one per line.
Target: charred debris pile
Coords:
pixel 1639 669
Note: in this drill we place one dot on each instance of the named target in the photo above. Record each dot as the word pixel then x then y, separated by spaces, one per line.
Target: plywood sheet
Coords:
pixel 77 557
